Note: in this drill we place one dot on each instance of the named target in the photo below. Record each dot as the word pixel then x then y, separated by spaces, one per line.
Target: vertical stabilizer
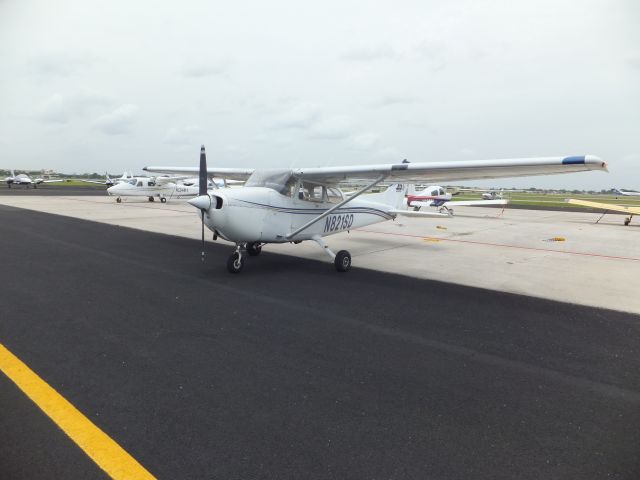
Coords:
pixel 393 196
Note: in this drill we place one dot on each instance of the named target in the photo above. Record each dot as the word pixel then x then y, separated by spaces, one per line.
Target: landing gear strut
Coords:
pixel 341 260
pixel 254 249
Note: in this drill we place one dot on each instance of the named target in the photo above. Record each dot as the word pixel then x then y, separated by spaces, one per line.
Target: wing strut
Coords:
pixel 332 209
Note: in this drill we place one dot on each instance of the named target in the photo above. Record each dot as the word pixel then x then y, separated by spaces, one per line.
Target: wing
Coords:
pixel 470 203
pixel 228 173
pixel 101 182
pixel 605 206
pixel 53 181
pixel 448 171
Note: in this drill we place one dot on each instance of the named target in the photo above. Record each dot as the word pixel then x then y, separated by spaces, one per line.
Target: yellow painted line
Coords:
pixel 103 450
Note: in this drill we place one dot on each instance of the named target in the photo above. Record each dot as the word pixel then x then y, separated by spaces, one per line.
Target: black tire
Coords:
pixel 627 221
pixel 118 200
pixel 254 249
pixel 163 200
pixel 151 199
pixel 235 264
pixel 342 261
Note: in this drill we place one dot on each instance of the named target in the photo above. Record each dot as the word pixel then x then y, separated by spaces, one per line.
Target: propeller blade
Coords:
pixel 202 181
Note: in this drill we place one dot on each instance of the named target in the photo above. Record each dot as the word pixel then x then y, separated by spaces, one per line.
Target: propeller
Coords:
pixel 202 190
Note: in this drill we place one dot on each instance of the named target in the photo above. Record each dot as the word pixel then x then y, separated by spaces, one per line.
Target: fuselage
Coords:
pixel 147 187
pixel 261 214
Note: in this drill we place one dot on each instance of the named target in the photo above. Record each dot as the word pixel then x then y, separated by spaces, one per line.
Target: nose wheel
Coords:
pixel 235 261
pixel 118 200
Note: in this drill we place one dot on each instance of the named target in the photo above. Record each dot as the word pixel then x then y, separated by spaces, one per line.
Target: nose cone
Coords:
pixel 202 202
pixel 111 190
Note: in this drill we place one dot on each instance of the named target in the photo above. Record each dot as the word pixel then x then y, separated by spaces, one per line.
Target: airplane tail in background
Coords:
pixel 13 174
pixel 394 195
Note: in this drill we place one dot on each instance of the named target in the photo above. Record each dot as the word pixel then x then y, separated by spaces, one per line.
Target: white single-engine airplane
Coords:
pixel 24 179
pixel 626 193
pixel 294 205
pixel 435 196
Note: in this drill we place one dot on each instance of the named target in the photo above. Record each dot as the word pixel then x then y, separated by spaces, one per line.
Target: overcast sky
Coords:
pixel 94 86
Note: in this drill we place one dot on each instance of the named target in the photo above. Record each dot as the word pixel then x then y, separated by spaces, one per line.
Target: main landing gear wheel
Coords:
pixel 254 249
pixel 627 221
pixel 118 200
pixel 235 262
pixel 151 199
pixel 342 261
pixel 163 200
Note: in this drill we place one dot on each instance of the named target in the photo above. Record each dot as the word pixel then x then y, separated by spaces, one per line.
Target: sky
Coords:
pixel 113 86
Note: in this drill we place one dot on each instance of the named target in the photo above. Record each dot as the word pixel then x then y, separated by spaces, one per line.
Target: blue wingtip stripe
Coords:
pixel 579 160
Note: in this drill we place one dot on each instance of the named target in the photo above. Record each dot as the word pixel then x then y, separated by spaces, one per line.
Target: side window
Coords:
pixel 139 183
pixel 441 191
pixel 152 184
pixel 334 195
pixel 311 192
pixel 434 193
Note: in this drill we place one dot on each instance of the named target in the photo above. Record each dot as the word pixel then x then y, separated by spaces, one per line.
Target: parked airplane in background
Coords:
pixel 24 179
pixel 607 207
pixel 163 187
pixel 627 193
pixel 270 209
pixel 110 181
pixel 436 197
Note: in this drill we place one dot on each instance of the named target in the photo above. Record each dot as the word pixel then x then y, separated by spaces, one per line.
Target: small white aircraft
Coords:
pixel 108 181
pixel 295 205
pixel 24 179
pixel 626 193
pixel 435 196
pixel 162 187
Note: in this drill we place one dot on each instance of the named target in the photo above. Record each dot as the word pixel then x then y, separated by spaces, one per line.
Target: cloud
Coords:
pixel 61 109
pixel 634 62
pixel 389 100
pixel 119 121
pixel 187 135
pixel 332 128
pixel 432 53
pixel 371 54
pixel 204 70
pixel 364 141
pixel 302 115
pixel 62 64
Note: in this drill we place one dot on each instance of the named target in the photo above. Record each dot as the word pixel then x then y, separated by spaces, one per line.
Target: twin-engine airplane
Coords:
pixel 294 205
pixel 163 187
pixel 436 197
pixel 24 179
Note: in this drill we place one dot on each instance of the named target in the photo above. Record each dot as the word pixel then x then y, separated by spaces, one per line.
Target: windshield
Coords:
pixel 281 181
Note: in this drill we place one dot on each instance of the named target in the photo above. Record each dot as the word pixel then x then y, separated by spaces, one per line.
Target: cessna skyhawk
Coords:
pixel 435 196
pixel 294 205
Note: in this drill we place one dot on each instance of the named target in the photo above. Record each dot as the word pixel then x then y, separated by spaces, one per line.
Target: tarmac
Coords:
pixel 292 370
pixel 562 256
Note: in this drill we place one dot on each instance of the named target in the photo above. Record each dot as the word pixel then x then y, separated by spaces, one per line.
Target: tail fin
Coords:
pixel 393 196
pixel 13 174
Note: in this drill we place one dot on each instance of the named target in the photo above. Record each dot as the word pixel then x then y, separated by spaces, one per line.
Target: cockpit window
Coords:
pixel 282 181
pixel 311 192
pixel 152 184
pixel 132 181
pixel 441 192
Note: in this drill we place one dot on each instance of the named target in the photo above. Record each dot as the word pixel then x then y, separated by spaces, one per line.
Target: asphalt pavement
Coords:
pixel 292 370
